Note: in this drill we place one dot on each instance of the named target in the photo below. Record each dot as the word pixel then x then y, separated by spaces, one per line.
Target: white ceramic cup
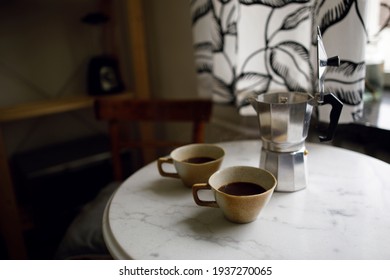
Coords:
pixel 207 159
pixel 243 207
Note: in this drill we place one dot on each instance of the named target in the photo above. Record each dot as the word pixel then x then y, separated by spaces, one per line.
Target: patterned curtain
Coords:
pixel 246 47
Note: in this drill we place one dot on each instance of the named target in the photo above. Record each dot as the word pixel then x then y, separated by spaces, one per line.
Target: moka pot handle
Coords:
pixel 335 113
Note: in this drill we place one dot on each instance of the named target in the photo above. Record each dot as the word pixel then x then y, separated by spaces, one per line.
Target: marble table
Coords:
pixel 344 213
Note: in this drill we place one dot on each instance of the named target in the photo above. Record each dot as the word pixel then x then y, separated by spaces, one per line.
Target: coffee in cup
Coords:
pixel 194 163
pixel 240 191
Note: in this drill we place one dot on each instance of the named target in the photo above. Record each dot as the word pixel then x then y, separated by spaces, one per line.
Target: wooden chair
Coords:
pixel 84 239
pixel 121 110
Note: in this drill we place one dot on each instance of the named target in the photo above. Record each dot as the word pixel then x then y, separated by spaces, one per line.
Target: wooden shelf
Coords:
pixel 44 108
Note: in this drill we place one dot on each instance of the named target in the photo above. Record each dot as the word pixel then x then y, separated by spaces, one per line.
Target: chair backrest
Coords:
pixel 119 110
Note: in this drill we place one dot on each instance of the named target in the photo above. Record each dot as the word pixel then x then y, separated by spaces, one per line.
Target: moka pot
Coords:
pixel 284 120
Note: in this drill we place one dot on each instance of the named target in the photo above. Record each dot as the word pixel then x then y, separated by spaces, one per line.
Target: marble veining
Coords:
pixel 343 214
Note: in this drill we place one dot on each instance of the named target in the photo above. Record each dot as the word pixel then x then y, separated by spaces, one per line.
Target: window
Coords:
pixel 378 29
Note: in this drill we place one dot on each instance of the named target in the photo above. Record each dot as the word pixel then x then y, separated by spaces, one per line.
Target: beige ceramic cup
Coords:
pixel 205 160
pixel 238 208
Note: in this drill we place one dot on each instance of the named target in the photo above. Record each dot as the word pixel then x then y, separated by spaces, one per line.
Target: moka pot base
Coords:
pixel 289 168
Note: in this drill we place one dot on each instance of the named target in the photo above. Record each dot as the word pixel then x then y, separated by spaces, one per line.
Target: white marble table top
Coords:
pixel 344 213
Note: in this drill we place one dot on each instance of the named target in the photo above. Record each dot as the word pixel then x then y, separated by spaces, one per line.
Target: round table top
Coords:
pixel 344 213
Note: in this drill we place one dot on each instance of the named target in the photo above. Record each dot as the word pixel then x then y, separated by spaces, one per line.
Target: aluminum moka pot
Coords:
pixel 284 120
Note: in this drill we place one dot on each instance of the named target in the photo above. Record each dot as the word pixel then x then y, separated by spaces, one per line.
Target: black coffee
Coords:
pixel 199 160
pixel 242 188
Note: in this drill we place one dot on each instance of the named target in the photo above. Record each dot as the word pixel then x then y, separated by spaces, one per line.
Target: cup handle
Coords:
pixel 160 163
pixel 202 186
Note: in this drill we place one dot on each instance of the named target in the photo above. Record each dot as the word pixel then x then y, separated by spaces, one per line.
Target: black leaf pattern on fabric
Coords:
pixel 342 81
pixel 232 29
pixel 330 16
pixel 231 18
pixel 222 90
pixel 253 82
pixel 199 8
pixel 291 61
pixel 203 57
pixel 351 97
pixel 272 3
pixel 348 68
pixel 250 84
pixel 217 37
pixel 294 19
